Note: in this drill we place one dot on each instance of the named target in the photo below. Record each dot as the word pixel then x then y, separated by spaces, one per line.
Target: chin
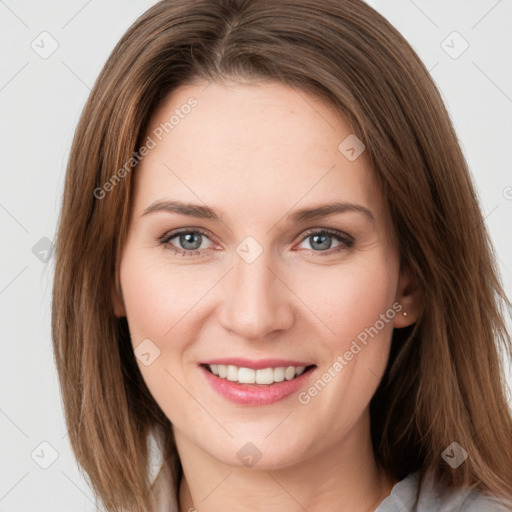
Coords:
pixel 260 454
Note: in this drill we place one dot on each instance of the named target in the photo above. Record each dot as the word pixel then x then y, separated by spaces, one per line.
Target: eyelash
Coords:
pixel 347 241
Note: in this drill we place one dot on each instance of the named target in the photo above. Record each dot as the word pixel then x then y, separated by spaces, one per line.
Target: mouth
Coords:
pixel 261 376
pixel 264 385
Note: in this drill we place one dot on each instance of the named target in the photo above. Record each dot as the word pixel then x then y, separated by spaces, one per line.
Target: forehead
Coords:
pixel 251 146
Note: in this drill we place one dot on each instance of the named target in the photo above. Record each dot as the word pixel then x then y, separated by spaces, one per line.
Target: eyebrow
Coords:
pixel 302 215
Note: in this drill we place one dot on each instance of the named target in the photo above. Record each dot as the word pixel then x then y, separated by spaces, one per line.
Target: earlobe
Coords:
pixel 409 297
pixel 404 319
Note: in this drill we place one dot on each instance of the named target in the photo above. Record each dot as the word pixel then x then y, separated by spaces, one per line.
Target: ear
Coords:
pixel 409 296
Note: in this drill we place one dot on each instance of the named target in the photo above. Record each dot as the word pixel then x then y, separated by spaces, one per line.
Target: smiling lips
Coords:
pixel 244 375
pixel 255 382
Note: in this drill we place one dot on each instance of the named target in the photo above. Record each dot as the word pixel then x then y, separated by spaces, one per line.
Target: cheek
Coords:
pixel 157 297
pixel 351 298
pixel 157 302
pixel 356 352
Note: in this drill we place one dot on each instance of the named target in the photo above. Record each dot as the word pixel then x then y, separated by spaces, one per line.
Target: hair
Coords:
pixel 444 381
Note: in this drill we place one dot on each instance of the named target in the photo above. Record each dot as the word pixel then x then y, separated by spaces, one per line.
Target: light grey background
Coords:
pixel 41 99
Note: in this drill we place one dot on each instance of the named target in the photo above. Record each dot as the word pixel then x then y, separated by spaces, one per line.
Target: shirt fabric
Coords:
pixel 401 498
pixel 403 495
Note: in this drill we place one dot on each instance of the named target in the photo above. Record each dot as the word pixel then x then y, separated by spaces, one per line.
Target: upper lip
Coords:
pixel 256 364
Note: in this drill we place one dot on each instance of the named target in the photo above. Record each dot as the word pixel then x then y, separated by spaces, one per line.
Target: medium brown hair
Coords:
pixel 444 381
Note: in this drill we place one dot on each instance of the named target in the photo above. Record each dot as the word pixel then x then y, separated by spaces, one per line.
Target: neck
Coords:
pixel 344 477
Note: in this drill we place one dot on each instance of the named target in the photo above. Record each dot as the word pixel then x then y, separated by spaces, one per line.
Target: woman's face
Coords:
pixel 256 285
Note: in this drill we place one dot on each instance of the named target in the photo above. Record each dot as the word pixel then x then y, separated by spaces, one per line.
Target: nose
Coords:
pixel 256 301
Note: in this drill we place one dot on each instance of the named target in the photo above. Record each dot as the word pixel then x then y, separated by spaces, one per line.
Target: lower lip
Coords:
pixel 255 394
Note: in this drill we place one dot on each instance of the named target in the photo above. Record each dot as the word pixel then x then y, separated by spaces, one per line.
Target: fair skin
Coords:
pixel 256 153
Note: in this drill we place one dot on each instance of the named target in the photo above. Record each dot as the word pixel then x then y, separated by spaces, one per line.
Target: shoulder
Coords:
pixel 403 497
pixel 478 502
pixel 164 496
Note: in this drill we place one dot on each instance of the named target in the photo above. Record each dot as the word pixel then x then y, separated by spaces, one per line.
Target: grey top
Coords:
pixel 403 495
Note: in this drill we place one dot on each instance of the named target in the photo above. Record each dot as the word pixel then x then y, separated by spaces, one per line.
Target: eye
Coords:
pixel 189 242
pixel 321 241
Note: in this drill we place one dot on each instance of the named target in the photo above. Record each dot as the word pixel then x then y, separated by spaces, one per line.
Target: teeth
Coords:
pixel 279 374
pixel 246 375
pixel 266 375
pixel 250 376
pixel 232 373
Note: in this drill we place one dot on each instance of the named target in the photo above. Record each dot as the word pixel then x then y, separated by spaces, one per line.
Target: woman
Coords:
pixel 274 288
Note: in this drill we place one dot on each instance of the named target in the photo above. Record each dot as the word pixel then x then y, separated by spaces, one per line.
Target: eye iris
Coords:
pixel 323 238
pixel 185 239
